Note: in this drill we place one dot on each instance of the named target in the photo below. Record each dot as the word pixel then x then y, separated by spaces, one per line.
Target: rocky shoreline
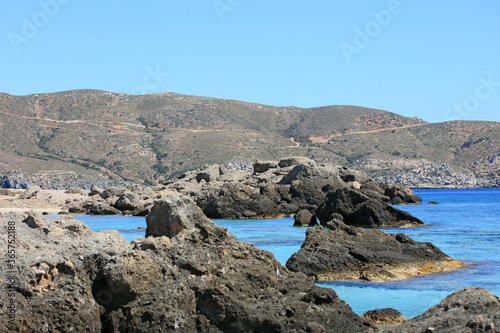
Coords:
pixel 214 283
pixel 69 278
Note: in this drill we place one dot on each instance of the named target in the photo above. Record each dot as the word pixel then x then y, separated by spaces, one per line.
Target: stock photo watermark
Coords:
pixel 11 278
pixel 371 30
pixel 150 81
pixel 31 26
pixel 224 6
pixel 483 91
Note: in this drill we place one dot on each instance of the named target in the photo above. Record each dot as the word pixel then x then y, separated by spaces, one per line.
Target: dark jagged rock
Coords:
pixel 347 253
pixel 466 310
pixel 384 317
pixel 358 209
pixel 189 275
pixel 400 194
pixel 274 189
pixel 263 166
pixel 304 218
pixel 244 201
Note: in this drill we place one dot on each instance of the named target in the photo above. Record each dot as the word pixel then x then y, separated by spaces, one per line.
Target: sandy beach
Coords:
pixel 44 201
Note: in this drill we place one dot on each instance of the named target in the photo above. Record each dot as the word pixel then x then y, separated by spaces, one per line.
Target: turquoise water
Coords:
pixel 466 226
pixel 127 225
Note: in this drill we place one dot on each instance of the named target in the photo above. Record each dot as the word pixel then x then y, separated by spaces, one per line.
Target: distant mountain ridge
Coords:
pixel 84 136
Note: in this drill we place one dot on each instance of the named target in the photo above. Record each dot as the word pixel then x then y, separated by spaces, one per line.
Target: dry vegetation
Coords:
pixel 149 138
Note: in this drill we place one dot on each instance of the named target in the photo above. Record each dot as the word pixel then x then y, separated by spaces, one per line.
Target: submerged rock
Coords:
pixel 348 253
pixel 466 310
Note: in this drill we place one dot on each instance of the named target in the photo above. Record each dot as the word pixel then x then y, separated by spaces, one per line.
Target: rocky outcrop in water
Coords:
pixel 277 188
pixel 349 253
pixel 189 275
pixel 467 310
pixel 355 208
pixel 304 218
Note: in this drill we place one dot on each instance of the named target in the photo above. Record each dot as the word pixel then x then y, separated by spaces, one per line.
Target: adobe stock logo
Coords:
pixel 371 30
pixel 31 26
pixel 471 103
pixel 224 6
pixel 150 81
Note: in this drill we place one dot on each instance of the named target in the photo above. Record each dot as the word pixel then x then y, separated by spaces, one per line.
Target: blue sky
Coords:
pixel 438 60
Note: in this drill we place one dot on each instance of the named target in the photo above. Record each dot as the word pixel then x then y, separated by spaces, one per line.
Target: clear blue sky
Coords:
pixel 438 60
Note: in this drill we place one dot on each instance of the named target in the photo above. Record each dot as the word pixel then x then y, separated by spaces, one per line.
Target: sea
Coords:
pixel 465 225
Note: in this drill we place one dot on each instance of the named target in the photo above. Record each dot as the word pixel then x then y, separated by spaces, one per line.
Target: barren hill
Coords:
pixel 83 136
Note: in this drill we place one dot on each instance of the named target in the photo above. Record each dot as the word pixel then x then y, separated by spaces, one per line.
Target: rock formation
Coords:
pixel 348 253
pixel 276 189
pixel 45 286
pixel 135 200
pixel 358 209
pixel 384 317
pixel 467 310
pixel 189 275
pixel 304 218
pixel 269 190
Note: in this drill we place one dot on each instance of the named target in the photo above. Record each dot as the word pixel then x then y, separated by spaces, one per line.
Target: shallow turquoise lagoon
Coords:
pixel 465 225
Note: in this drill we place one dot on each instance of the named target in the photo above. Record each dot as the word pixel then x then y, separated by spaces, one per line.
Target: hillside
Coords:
pixel 80 137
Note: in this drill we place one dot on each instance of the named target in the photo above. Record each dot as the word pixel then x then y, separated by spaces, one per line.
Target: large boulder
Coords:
pixel 90 205
pixel 466 310
pixel 226 284
pixel 112 192
pixel 358 209
pixel 172 215
pixel 99 208
pixel 30 192
pixel 128 200
pixel 400 194
pixel 304 218
pixel 348 253
pixel 244 201
pixel 263 166
pixel 294 160
pixel 52 290
pixel 384 317
pixel 209 173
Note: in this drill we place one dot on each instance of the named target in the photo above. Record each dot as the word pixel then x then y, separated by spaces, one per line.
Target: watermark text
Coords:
pixel 31 26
